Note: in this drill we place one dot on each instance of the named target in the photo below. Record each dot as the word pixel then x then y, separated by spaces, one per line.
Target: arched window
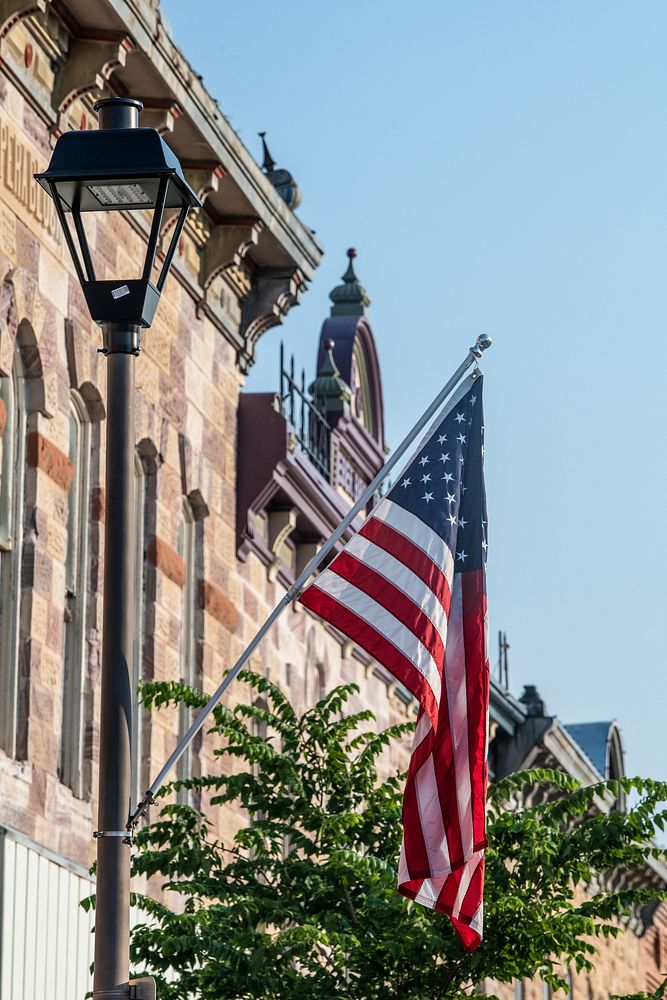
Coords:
pixel 77 569
pixel 12 503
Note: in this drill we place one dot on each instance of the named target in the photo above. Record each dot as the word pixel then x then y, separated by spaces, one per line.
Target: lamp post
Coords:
pixel 119 167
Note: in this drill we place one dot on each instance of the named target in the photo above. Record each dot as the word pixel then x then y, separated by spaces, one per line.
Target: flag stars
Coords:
pixel 447 478
pixel 459 417
pixel 426 478
pixel 462 522
pixel 461 438
pixel 444 457
pixel 423 461
pixel 406 482
pixel 473 400
pixel 452 520
pixel 427 497
pixel 442 438
pixel 462 555
pixel 451 498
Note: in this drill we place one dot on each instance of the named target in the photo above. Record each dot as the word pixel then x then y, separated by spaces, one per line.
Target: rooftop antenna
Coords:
pixel 503 668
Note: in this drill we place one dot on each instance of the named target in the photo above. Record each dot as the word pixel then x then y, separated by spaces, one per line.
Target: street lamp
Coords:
pixel 120 167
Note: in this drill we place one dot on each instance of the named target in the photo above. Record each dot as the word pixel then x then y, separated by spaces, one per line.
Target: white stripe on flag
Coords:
pixel 418 533
pixel 430 817
pixel 397 573
pixel 384 622
pixel 457 699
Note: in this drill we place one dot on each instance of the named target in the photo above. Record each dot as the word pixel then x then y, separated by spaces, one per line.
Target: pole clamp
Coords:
pixel 125 834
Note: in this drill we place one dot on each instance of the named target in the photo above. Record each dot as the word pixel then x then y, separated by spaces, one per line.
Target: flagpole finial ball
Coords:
pixel 330 344
pixel 484 341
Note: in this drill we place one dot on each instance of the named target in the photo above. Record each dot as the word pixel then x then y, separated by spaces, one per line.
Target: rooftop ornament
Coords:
pixel 281 179
pixel 350 298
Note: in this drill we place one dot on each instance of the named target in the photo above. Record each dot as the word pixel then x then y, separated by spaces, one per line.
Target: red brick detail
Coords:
pixel 51 460
pixel 3 417
pixel 167 560
pixel 98 505
pixel 212 600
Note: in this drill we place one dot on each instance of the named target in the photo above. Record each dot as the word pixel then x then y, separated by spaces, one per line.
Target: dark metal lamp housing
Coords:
pixel 120 167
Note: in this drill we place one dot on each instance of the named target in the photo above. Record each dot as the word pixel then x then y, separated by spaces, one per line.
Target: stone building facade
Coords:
pixel 233 491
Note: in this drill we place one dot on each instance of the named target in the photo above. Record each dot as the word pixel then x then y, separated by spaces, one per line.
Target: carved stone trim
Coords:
pixel 272 295
pixel 12 11
pixel 204 179
pixel 88 66
pixel 160 117
pixel 227 246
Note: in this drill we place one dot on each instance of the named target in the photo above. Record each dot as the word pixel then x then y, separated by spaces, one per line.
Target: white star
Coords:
pixel 459 417
pixel 451 497
pixel 462 556
pixel 442 439
pixel 462 522
pixel 473 399
pixel 427 497
pixel 423 461
pixel 484 545
pixel 461 438
pixel 447 478
pixel 461 459
pixel 452 520
pixel 426 478
pixel 406 483
pixel 444 457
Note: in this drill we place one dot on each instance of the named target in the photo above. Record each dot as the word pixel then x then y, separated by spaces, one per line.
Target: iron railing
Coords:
pixel 311 427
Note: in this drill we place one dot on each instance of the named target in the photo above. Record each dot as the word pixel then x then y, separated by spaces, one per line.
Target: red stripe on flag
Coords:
pixel 374 642
pixel 477 690
pixel 410 555
pixel 394 600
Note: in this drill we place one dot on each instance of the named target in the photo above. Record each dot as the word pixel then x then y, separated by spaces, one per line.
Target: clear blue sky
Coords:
pixel 500 167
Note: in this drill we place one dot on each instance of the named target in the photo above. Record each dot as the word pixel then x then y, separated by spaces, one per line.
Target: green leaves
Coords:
pixel 304 904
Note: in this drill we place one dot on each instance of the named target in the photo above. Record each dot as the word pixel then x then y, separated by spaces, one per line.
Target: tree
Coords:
pixel 303 904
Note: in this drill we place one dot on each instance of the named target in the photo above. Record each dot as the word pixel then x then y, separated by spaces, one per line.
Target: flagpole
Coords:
pixel 474 354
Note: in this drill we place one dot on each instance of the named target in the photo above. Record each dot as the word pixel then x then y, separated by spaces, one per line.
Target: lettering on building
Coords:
pixel 18 164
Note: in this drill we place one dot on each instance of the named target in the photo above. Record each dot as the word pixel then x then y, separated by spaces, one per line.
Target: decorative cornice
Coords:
pixel 88 65
pixel 272 295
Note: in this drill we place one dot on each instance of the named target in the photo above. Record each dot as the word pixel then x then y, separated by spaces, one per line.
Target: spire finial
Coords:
pixel 331 394
pixel 350 298
pixel 269 162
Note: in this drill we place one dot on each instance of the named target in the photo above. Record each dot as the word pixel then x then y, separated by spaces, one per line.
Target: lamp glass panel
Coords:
pixel 125 195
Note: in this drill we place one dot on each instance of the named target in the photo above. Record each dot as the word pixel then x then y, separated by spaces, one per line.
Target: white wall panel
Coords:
pixel 46 945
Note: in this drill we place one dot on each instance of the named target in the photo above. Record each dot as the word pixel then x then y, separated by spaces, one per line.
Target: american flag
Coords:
pixel 409 588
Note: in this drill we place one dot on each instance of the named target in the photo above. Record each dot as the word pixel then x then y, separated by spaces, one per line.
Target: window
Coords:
pixel 138 722
pixel 188 551
pixel 71 769
pixel 12 496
